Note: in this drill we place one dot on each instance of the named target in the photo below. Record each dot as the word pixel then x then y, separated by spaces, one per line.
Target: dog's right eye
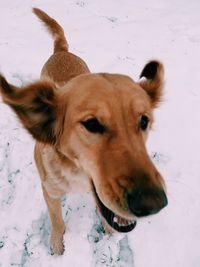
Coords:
pixel 94 126
pixel 144 121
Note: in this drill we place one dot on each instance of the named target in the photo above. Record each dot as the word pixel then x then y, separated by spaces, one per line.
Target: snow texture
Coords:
pixel 117 36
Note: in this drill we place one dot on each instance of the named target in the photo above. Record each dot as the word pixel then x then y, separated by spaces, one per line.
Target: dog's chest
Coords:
pixel 62 178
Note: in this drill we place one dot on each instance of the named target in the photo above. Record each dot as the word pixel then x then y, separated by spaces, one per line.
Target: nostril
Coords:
pixel 143 202
pixel 133 201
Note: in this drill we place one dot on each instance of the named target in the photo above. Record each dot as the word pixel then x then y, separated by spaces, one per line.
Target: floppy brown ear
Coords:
pixel 37 107
pixel 152 80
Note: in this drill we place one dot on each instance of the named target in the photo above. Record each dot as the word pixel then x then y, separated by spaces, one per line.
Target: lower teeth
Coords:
pixel 115 219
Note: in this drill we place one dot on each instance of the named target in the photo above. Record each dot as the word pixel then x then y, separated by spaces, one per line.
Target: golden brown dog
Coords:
pixel 94 125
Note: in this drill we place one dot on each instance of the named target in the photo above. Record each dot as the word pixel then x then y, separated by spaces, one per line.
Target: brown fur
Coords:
pixel 60 42
pixel 53 110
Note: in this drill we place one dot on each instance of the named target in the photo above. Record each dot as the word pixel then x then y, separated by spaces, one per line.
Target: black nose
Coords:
pixel 143 202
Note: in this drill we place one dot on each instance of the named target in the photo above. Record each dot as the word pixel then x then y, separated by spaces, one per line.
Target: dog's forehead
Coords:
pixel 107 92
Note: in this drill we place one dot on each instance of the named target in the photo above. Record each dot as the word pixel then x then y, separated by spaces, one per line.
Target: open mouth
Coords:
pixel 116 222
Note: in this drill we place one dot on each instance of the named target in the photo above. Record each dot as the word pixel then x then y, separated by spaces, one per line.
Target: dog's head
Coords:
pixel 101 122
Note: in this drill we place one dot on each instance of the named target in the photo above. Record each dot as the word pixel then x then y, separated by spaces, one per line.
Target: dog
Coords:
pixel 90 131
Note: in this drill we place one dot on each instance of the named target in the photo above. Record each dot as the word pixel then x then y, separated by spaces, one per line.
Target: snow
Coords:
pixel 111 36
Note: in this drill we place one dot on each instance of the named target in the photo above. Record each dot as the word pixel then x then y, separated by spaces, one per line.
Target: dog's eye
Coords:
pixel 144 121
pixel 94 126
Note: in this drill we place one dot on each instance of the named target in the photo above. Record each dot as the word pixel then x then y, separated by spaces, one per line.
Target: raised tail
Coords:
pixel 60 42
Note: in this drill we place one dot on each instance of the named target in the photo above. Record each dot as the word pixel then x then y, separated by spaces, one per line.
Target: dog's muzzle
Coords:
pixel 141 202
pixel 146 201
pixel 116 222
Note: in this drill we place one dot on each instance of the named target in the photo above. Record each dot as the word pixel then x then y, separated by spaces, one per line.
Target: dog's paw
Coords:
pixel 57 244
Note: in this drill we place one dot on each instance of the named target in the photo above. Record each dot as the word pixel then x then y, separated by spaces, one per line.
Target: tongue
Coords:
pixel 121 221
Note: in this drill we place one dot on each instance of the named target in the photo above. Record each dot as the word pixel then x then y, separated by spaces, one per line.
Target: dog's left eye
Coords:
pixel 144 121
pixel 94 126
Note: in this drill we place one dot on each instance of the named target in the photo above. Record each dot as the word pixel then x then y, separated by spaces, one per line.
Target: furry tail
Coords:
pixel 60 42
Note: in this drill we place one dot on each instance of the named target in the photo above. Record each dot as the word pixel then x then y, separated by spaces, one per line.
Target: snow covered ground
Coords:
pixel 112 36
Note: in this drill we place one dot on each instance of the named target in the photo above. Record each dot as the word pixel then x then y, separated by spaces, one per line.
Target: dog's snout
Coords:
pixel 143 202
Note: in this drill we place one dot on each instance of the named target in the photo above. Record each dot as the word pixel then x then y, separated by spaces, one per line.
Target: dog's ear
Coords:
pixel 37 107
pixel 152 80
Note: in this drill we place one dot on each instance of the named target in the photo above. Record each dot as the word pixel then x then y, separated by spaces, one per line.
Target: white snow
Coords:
pixel 111 36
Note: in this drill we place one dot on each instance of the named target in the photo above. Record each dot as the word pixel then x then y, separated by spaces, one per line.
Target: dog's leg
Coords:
pixel 57 223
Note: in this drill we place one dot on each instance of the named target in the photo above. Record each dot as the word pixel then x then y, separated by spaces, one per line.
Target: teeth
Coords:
pixel 125 224
pixel 115 219
pixel 122 222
